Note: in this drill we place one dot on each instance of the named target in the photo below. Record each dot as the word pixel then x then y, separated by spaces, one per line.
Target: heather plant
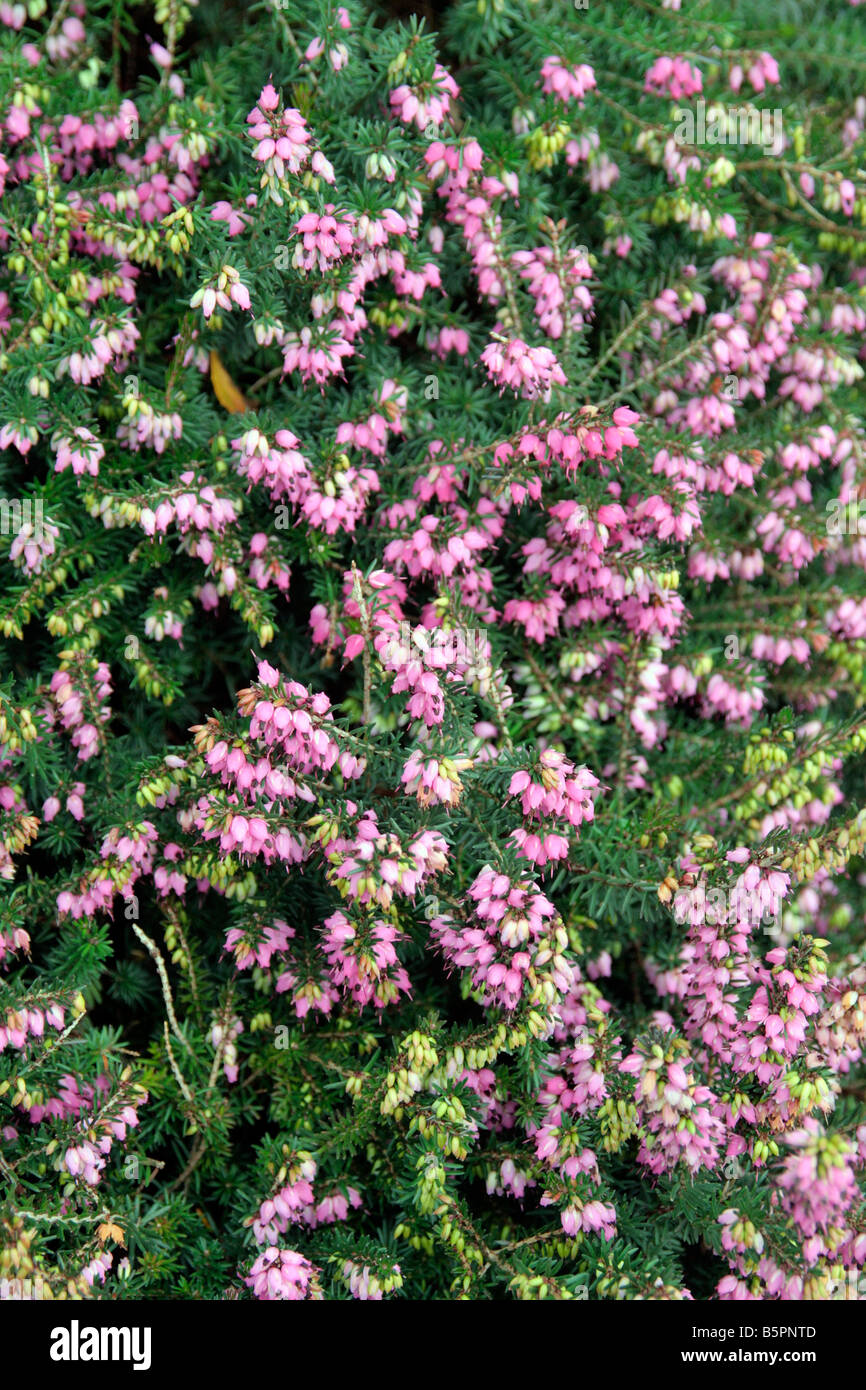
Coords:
pixel 432 731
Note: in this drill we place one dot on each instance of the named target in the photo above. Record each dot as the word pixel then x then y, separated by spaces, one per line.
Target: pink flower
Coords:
pixel 426 103
pixel 81 449
pixel 530 371
pixel 848 194
pixel 565 83
pixel 224 212
pixel 674 77
pixel 763 70
pixel 283 1274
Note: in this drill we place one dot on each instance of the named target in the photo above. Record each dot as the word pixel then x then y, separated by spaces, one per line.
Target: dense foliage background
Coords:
pixel 433 616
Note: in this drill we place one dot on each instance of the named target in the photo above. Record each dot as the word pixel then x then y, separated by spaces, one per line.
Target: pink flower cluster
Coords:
pixel 762 70
pixel 363 960
pixel 425 103
pixel 282 139
pixel 676 1115
pixel 32 545
pixel 282 1274
pixel 226 290
pixel 433 782
pixel 18 1025
pixel 294 1203
pixel 530 371
pixel 674 77
pixel 191 505
pixel 109 1121
pixel 472 205
pixel 368 1285
pixel 561 795
pixel 338 54
pixel 82 450
pixel 371 432
pixel 562 301
pixel 334 502
pixel 253 947
pixel 419 657
pixel 297 727
pixel 12 939
pixel 566 83
pixel 372 865
pixel 80 697
pixel 323 239
pixel 516 935
pixel 108 346
pixel 149 428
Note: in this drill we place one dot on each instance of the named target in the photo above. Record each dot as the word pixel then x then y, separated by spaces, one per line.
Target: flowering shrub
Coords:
pixel 434 619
